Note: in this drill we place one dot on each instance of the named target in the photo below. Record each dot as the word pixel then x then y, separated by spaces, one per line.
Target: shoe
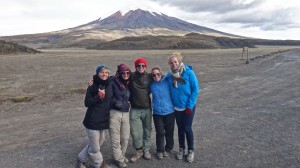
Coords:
pixel 126 160
pixel 104 165
pixel 139 153
pixel 80 164
pixel 122 164
pixel 180 154
pixel 147 155
pixel 160 155
pixel 166 154
pixel 190 157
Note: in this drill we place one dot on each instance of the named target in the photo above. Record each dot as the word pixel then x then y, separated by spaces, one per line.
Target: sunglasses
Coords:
pixel 157 74
pixel 125 73
pixel 141 66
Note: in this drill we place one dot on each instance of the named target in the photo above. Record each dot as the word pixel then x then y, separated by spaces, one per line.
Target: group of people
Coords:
pixel 122 105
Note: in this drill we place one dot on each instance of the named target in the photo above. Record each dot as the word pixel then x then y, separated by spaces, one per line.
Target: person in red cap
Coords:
pixel 141 113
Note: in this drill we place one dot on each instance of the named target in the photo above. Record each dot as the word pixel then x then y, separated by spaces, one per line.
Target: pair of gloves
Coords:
pixel 101 94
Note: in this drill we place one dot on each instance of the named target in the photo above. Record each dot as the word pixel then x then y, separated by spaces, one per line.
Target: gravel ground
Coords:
pixel 247 114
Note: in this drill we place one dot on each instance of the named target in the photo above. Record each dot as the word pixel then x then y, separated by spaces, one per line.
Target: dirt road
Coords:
pixel 247 114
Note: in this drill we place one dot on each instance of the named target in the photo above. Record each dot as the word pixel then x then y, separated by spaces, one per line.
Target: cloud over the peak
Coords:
pixel 264 14
pixel 218 7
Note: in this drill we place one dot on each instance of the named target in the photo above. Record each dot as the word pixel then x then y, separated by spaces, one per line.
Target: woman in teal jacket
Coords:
pixel 163 113
pixel 184 92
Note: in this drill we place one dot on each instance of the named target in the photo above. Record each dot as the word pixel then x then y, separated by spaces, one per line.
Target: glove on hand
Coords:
pixel 101 94
pixel 188 111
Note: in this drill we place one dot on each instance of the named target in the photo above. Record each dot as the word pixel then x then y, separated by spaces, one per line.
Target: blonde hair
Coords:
pixel 176 55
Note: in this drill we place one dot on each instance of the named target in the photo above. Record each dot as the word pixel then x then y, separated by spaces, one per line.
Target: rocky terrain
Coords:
pixel 247 115
pixel 11 48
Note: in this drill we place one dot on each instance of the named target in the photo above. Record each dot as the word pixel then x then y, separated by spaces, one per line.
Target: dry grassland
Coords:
pixel 240 121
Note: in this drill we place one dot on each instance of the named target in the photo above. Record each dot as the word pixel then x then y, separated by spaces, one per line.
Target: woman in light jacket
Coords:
pixel 184 92
pixel 163 113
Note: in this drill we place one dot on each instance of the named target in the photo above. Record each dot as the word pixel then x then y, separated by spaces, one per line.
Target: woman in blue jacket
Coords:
pixel 163 113
pixel 184 92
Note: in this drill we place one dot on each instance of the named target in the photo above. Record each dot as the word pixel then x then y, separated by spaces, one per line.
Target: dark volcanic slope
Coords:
pixel 10 47
pixel 137 19
pixel 189 41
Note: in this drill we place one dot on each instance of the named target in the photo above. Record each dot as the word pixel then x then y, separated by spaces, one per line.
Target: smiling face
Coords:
pixel 103 74
pixel 156 75
pixel 141 68
pixel 125 75
pixel 174 63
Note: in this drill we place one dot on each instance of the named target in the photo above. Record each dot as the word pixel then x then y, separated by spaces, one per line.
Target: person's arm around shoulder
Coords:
pixel 168 76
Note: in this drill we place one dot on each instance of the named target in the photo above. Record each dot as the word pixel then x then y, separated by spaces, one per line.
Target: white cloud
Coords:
pixel 255 18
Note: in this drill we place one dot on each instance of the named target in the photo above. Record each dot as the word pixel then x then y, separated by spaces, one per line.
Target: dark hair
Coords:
pixel 157 68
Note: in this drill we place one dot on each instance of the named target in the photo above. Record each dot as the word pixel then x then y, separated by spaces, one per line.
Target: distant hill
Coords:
pixel 140 29
pixel 134 23
pixel 10 47
pixel 189 41
pixel 276 42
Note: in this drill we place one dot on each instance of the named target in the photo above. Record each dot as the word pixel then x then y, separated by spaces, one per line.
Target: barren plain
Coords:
pixel 247 115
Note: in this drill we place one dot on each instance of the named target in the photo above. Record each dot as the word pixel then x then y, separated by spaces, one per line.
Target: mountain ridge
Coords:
pixel 135 19
pixel 132 23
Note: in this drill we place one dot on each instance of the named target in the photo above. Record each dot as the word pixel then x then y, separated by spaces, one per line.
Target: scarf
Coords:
pixel 120 81
pixel 176 75
pixel 101 83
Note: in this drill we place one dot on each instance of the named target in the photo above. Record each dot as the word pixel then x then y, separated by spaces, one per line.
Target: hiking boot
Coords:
pixel 80 164
pixel 137 156
pixel 180 154
pixel 190 157
pixel 160 155
pixel 122 164
pixel 104 165
pixel 147 155
pixel 166 154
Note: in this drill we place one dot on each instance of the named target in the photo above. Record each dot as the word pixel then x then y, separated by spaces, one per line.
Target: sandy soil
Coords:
pixel 247 114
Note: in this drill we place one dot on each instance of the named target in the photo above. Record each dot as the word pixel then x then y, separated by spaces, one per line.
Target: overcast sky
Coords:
pixel 271 19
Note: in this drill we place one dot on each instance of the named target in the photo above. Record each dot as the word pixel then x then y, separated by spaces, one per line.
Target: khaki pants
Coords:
pixel 119 130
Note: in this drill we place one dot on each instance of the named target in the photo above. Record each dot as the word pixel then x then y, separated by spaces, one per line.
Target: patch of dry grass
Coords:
pixel 20 99
pixel 76 91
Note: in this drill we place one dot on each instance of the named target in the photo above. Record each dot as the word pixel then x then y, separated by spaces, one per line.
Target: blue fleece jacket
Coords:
pixel 161 98
pixel 185 96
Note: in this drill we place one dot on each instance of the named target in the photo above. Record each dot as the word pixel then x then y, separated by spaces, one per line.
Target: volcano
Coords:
pixel 133 23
